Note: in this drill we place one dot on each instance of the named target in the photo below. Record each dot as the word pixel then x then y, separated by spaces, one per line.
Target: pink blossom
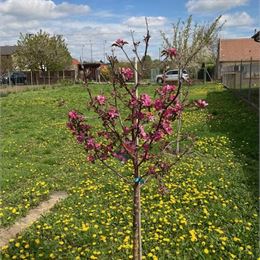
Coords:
pixel 119 43
pixel 167 127
pixel 169 52
pixel 158 136
pixel 112 113
pixel 172 52
pixel 100 99
pixel 168 88
pixel 139 115
pixel 80 137
pixel 158 104
pixel 127 73
pixel 133 102
pixel 143 134
pixel 90 144
pixel 91 158
pixel 146 100
pixel 201 103
pixel 126 130
pixel 177 108
pixel 73 114
pixel 168 113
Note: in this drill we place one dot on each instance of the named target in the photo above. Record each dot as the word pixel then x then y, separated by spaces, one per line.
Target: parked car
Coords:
pixel 171 75
pixel 16 77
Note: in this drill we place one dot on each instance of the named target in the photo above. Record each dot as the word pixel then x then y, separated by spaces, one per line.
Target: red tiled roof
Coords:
pixel 239 49
pixel 75 62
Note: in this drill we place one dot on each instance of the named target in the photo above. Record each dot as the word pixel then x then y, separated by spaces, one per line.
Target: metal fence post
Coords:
pixel 250 80
pixel 49 77
pixel 31 77
pixel 240 82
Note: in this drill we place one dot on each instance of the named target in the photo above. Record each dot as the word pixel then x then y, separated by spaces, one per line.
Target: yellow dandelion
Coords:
pixel 206 251
pixel 236 239
pixel 85 227
pixel 193 235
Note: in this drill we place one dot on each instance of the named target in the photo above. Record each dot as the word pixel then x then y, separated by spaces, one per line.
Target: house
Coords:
pixel 74 67
pixel 91 69
pixel 234 52
pixel 6 62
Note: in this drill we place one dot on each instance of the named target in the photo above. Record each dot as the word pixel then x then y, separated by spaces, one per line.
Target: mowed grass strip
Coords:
pixel 210 210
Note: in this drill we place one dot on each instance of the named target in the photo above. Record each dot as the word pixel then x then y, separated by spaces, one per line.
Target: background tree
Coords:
pixel 41 51
pixel 148 65
pixel 192 44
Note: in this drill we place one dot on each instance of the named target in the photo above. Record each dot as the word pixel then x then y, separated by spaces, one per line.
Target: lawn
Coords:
pixel 209 212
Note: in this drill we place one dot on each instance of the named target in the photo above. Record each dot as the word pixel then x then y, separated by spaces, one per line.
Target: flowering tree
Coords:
pixel 132 127
pixel 188 45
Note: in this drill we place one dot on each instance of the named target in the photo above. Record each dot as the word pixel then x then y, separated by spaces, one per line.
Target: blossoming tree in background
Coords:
pixel 190 44
pixel 133 127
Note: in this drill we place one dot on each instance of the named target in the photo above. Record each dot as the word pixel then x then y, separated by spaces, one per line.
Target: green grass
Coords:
pixel 210 211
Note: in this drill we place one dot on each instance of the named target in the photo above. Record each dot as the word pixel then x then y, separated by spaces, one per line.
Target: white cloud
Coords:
pixel 68 9
pixel 198 6
pixel 237 19
pixel 137 21
pixel 40 9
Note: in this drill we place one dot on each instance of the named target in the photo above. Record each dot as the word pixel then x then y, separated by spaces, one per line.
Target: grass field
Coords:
pixel 210 211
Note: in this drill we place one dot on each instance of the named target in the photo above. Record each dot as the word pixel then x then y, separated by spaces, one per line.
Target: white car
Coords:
pixel 171 75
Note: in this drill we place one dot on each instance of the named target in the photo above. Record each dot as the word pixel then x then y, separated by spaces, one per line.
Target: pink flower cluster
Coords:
pixel 201 103
pixel 112 113
pixel 94 148
pixel 100 99
pixel 149 120
pixel 146 100
pixel 119 43
pixel 169 52
pixel 147 129
pixel 127 73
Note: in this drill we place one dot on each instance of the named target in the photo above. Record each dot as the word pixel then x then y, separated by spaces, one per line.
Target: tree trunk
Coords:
pixel 137 239
pixel 137 236
pixel 179 123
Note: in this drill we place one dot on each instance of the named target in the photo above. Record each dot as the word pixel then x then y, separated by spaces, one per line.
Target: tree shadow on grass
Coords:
pixel 235 119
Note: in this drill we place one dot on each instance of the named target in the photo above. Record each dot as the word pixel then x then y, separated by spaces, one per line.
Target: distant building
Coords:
pixel 6 62
pixel 232 51
pixel 91 70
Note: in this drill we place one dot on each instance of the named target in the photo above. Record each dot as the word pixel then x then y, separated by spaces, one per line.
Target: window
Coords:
pixel 172 72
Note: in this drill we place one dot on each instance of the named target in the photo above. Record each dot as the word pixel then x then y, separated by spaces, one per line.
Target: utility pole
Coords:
pixel 91 51
pixel 82 58
pixel 104 49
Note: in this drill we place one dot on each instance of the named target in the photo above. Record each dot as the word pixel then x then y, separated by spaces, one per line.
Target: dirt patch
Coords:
pixel 7 233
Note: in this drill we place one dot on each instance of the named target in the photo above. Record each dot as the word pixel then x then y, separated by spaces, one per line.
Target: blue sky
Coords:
pixel 94 24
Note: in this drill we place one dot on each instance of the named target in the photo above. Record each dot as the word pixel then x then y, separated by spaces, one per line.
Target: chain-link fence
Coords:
pixel 37 78
pixel 244 79
pixel 154 73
